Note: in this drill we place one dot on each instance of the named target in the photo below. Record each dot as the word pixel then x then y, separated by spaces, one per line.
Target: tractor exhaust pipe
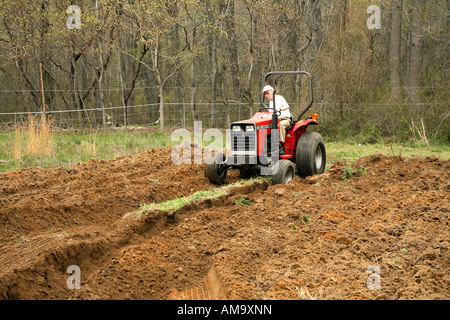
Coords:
pixel 274 113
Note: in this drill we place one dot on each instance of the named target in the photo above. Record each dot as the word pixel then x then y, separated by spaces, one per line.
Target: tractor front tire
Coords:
pixel 285 172
pixel 216 172
pixel 310 155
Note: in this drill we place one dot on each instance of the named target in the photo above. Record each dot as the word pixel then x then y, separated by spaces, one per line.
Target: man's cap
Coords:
pixel 267 88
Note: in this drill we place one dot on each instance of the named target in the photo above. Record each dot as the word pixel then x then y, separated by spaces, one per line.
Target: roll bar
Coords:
pixel 286 73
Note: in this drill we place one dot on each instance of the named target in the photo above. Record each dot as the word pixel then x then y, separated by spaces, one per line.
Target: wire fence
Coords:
pixel 388 118
pixel 103 108
pixel 219 114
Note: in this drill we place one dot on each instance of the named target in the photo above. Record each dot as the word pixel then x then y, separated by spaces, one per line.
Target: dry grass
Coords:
pixel 33 138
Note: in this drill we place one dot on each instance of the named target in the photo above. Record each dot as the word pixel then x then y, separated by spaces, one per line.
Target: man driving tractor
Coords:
pixel 284 115
pixel 251 141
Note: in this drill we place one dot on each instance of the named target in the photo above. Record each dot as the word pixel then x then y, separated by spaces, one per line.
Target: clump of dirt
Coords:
pixel 314 238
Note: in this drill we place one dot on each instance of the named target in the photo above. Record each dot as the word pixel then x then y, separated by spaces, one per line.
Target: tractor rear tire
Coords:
pixel 285 172
pixel 216 172
pixel 310 154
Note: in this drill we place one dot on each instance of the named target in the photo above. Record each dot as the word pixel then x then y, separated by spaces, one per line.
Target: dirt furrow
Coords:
pixel 316 238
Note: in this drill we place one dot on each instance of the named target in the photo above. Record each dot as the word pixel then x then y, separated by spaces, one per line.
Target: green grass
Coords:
pixel 177 203
pixel 350 151
pixel 71 148
pixel 243 202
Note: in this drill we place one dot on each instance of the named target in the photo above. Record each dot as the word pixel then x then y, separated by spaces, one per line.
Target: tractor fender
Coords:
pixel 299 128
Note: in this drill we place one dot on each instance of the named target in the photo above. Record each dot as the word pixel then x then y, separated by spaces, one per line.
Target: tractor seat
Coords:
pixel 291 123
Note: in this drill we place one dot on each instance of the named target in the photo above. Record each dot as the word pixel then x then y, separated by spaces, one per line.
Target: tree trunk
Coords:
pixel 122 91
pixel 23 72
pixel 193 88
pixel 212 45
pixel 295 50
pixel 316 23
pixel 75 94
pixel 233 49
pixel 100 73
pixel 151 92
pixel 193 75
pixel 247 94
pixel 179 98
pixel 416 53
pixel 161 102
pixel 394 47
pixel 100 85
pixel 213 81
pixel 159 80
pixel 340 79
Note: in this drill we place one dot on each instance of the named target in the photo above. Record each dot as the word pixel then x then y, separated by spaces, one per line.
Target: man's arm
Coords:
pixel 283 104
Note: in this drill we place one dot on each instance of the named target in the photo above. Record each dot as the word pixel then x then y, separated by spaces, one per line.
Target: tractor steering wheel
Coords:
pixel 267 108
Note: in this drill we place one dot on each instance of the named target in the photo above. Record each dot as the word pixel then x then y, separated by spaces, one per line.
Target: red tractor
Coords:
pixel 254 146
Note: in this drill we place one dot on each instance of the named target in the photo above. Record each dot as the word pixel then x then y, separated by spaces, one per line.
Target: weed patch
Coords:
pixel 243 202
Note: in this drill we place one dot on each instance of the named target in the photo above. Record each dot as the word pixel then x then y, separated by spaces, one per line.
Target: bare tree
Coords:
pixel 231 36
pixel 193 22
pixel 212 51
pixel 416 51
pixel 152 20
pixel 394 47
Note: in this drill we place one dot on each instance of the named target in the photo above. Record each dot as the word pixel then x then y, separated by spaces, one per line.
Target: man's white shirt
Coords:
pixel 280 104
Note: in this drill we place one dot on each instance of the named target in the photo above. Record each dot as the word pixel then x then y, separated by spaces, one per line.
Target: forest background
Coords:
pixel 166 63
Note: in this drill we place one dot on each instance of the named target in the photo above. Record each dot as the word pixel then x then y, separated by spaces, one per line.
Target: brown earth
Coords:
pixel 312 238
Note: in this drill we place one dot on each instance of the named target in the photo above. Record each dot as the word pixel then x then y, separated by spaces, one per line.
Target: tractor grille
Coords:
pixel 243 139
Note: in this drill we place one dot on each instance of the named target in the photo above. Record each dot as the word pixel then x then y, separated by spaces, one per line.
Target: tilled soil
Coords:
pixel 375 229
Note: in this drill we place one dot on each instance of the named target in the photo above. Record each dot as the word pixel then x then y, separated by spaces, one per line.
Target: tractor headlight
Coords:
pixel 249 128
pixel 236 128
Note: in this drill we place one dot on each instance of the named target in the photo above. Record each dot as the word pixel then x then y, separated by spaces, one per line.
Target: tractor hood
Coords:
pixel 263 120
pixel 259 119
